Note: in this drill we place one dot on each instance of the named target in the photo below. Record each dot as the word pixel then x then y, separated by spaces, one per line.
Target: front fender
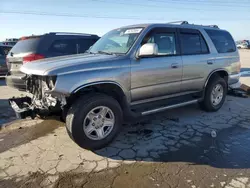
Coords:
pixel 72 82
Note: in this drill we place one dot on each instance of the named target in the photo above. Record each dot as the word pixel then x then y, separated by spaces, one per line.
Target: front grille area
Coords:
pixel 34 86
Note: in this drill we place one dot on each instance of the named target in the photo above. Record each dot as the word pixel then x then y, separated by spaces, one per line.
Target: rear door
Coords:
pixel 197 60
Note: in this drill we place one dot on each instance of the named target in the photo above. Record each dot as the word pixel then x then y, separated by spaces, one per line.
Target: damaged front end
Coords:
pixel 41 100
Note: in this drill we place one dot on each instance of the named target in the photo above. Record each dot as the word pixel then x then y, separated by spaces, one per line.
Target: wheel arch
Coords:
pixel 110 88
pixel 220 72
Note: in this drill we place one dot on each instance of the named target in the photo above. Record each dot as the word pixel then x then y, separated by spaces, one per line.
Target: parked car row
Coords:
pixel 130 72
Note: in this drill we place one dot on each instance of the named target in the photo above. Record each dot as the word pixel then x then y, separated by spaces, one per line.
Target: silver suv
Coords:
pixel 131 71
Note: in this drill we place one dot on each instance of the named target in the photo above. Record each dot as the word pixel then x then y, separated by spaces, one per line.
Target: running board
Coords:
pixel 168 107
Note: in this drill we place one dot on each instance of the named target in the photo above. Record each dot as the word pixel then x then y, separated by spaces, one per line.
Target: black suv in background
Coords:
pixel 48 45
pixel 4 49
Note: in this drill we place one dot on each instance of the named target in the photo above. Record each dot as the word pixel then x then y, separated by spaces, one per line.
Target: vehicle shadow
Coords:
pixel 180 135
pixel 6 113
pixel 24 131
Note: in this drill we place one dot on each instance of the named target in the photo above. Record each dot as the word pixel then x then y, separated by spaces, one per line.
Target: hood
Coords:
pixel 64 64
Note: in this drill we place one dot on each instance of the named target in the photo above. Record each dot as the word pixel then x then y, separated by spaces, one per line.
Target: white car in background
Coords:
pixel 245 44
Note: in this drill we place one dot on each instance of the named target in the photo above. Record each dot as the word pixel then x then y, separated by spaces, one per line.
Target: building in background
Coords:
pixel 10 42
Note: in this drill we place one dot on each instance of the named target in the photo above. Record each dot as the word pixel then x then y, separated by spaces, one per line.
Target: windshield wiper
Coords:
pixel 89 52
pixel 103 52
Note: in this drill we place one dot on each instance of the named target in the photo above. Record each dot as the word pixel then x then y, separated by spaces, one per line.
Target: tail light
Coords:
pixel 32 57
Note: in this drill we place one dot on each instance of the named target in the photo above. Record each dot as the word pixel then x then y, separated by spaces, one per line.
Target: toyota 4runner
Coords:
pixel 131 71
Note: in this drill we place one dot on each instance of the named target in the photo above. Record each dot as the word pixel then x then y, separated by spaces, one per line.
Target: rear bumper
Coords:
pixel 235 86
pixel 234 78
pixel 16 82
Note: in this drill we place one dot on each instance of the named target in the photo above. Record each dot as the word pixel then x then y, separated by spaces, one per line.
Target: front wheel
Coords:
pixel 215 94
pixel 94 121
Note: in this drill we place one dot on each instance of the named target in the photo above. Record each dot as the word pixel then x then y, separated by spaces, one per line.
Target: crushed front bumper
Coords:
pixel 22 107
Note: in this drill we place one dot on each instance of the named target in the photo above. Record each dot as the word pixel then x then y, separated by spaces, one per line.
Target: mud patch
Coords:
pixel 21 134
pixel 138 175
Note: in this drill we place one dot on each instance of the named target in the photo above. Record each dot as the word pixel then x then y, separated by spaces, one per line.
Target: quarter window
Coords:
pixel 193 43
pixel 222 40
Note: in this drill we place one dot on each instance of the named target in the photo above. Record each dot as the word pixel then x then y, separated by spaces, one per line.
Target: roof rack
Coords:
pixel 186 22
pixel 215 26
pixel 181 22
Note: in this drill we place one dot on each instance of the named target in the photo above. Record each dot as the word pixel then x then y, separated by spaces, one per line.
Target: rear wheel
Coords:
pixel 215 94
pixel 94 121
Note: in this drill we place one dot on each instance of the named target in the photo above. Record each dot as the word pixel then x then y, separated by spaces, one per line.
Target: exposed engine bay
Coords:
pixel 39 86
pixel 40 100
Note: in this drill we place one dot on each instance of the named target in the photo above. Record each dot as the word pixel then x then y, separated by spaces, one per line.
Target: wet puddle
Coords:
pixel 229 149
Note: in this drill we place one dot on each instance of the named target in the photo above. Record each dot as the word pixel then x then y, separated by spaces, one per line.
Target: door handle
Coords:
pixel 210 62
pixel 174 65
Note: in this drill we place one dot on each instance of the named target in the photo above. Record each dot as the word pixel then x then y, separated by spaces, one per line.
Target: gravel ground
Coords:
pixel 171 149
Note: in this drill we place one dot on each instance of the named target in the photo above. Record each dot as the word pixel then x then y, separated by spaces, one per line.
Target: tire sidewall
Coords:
pixel 81 112
pixel 223 83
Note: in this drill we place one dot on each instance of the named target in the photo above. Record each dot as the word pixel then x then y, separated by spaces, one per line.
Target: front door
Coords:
pixel 159 75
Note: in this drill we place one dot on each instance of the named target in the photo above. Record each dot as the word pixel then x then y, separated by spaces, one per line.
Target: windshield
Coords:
pixel 117 41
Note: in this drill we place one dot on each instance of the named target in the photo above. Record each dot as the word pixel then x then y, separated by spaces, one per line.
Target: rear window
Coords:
pixel 222 40
pixel 26 45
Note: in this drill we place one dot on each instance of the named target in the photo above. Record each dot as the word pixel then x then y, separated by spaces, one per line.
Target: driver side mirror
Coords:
pixel 147 50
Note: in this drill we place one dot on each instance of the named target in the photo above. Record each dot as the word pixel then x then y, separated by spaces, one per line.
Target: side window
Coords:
pixel 166 42
pixel 63 46
pixel 192 43
pixel 84 44
pixel 222 40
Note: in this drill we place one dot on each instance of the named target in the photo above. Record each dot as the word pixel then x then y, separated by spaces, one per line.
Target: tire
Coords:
pixel 78 121
pixel 208 104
